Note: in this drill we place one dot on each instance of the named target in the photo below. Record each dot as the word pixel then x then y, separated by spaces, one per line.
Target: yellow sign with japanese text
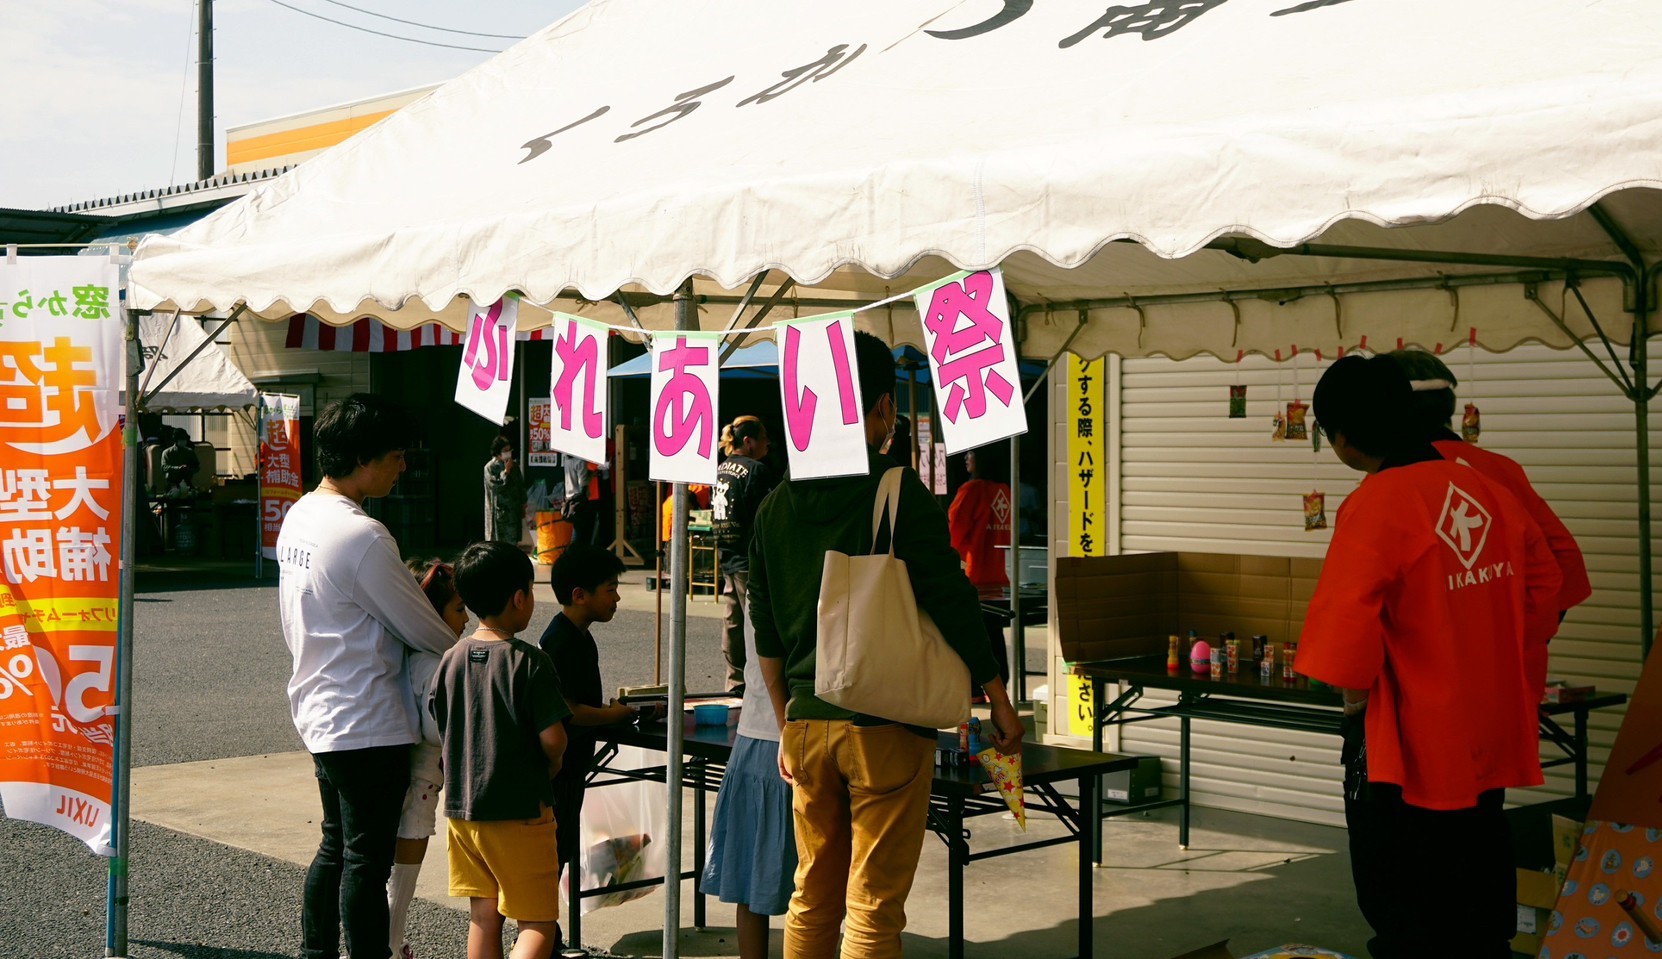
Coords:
pixel 1086 410
pixel 61 327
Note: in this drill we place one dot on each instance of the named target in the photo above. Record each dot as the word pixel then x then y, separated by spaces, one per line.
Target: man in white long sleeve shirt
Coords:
pixel 349 610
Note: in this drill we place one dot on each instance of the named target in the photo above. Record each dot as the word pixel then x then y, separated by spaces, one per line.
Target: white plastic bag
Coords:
pixel 621 838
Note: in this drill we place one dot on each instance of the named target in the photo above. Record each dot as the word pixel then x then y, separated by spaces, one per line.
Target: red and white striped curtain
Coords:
pixel 371 336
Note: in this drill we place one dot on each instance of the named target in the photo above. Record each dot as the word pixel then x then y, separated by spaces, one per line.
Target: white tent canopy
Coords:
pixel 867 145
pixel 185 372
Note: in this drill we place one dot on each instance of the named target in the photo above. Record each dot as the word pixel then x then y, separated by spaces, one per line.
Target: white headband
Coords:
pixel 1425 386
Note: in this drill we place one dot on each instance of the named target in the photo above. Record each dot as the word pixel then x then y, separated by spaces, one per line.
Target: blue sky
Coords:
pixel 94 87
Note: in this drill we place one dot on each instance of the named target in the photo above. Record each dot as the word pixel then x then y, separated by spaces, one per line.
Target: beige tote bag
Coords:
pixel 877 653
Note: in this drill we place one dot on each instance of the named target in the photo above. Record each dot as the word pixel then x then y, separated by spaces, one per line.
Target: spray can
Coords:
pixel 1217 662
pixel 1172 662
pixel 1232 653
pixel 1287 662
pixel 975 743
pixel 1266 665
pixel 1258 644
pixel 963 739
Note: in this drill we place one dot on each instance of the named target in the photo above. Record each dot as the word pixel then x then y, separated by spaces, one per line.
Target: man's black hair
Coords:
pixel 489 574
pixel 1368 400
pixel 585 566
pixel 354 431
pixel 876 368
pixel 1433 407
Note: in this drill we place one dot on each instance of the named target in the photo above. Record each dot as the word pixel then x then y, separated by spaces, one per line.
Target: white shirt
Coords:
pixel 349 609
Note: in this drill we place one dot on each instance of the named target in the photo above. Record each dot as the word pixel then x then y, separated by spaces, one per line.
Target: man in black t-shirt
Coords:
pixel 585 585
pixel 742 482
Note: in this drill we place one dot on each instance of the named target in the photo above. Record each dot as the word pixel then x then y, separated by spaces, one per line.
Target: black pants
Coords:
pixel 733 587
pixel 1429 882
pixel 346 886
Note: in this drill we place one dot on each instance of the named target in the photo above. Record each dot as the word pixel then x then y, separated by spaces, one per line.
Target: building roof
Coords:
pixel 49 226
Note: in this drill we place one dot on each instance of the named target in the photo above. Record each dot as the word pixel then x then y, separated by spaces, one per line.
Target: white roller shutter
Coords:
pixel 1193 479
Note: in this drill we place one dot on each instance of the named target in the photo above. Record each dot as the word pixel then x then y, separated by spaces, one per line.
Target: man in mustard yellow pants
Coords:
pixel 861 783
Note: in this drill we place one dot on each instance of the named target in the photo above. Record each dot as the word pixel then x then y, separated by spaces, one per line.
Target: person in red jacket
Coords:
pixel 1436 590
pixel 1434 405
pixel 979 519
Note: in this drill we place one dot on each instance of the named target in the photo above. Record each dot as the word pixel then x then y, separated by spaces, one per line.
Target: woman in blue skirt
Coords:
pixel 752 857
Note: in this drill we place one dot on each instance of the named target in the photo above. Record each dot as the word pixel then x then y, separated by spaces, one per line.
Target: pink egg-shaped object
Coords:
pixel 1200 656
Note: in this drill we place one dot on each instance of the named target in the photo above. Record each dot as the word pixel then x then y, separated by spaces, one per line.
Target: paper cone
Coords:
pixel 1006 773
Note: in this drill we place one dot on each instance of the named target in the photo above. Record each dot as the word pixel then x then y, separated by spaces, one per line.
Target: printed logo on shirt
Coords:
pixel 294 564
pixel 1001 509
pixel 478 655
pixel 1464 525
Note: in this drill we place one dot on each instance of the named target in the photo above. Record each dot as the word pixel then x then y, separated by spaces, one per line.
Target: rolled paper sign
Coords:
pixel 1006 774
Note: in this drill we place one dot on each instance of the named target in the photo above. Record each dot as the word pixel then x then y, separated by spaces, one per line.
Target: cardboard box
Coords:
pixel 1115 607
pixel 1136 785
pixel 1537 891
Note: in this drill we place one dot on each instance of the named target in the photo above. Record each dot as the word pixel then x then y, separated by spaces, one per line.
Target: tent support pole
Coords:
pixel 1018 640
pixel 686 318
pixel 208 340
pixel 1532 294
pixel 1289 293
pixel 116 898
pixel 1639 392
pixel 1255 250
pixel 732 343
pixel 167 337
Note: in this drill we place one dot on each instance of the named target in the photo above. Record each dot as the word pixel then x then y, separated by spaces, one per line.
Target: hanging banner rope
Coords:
pixel 60 526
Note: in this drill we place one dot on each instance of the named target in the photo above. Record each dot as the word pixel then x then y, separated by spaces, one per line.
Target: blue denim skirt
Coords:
pixel 752 855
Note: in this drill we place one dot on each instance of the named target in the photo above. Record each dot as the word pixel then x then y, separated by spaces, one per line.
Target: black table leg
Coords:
pixel 1089 798
pixel 698 848
pixel 957 858
pixel 1092 811
pixel 1581 754
pixel 1183 784
pixel 574 904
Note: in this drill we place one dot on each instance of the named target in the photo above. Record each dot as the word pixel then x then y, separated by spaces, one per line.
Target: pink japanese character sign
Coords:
pixel 685 398
pixel 577 419
pixel 825 433
pixel 488 360
pixel 972 359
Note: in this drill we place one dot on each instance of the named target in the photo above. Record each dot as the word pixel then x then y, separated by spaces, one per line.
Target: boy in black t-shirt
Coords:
pixel 585 584
pixel 499 708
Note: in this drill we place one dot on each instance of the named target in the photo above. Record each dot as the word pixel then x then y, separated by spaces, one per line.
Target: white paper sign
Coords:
pixel 685 398
pixel 577 423
pixel 825 430
pixel 972 359
pixel 488 361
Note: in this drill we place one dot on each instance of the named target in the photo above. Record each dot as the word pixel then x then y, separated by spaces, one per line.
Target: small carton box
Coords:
pixel 1139 784
pixel 1537 891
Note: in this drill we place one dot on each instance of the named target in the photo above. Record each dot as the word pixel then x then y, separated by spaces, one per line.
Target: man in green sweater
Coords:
pixel 861 783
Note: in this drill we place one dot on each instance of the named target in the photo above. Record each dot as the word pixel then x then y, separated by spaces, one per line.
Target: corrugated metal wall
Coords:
pixel 1193 479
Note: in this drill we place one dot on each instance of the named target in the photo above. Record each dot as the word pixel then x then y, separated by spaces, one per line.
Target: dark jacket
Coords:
pixel 741 485
pixel 804 518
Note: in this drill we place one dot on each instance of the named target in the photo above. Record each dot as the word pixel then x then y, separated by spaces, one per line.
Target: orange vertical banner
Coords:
pixel 60 529
pixel 279 465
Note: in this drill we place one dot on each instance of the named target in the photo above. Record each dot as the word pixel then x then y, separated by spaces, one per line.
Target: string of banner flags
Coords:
pixel 967 336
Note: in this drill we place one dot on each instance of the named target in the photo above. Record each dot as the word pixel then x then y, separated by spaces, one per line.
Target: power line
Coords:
pixel 179 124
pixel 424 26
pixel 390 36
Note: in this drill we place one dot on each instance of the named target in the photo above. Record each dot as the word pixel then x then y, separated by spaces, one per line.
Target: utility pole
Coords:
pixel 204 89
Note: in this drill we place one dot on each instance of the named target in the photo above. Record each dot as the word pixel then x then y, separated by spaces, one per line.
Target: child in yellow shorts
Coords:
pixel 499 708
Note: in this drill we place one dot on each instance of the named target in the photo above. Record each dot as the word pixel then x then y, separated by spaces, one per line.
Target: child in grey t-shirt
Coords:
pixel 499 709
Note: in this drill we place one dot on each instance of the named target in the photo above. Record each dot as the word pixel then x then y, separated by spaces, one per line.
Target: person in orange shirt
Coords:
pixel 1433 406
pixel 979 521
pixel 1436 590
